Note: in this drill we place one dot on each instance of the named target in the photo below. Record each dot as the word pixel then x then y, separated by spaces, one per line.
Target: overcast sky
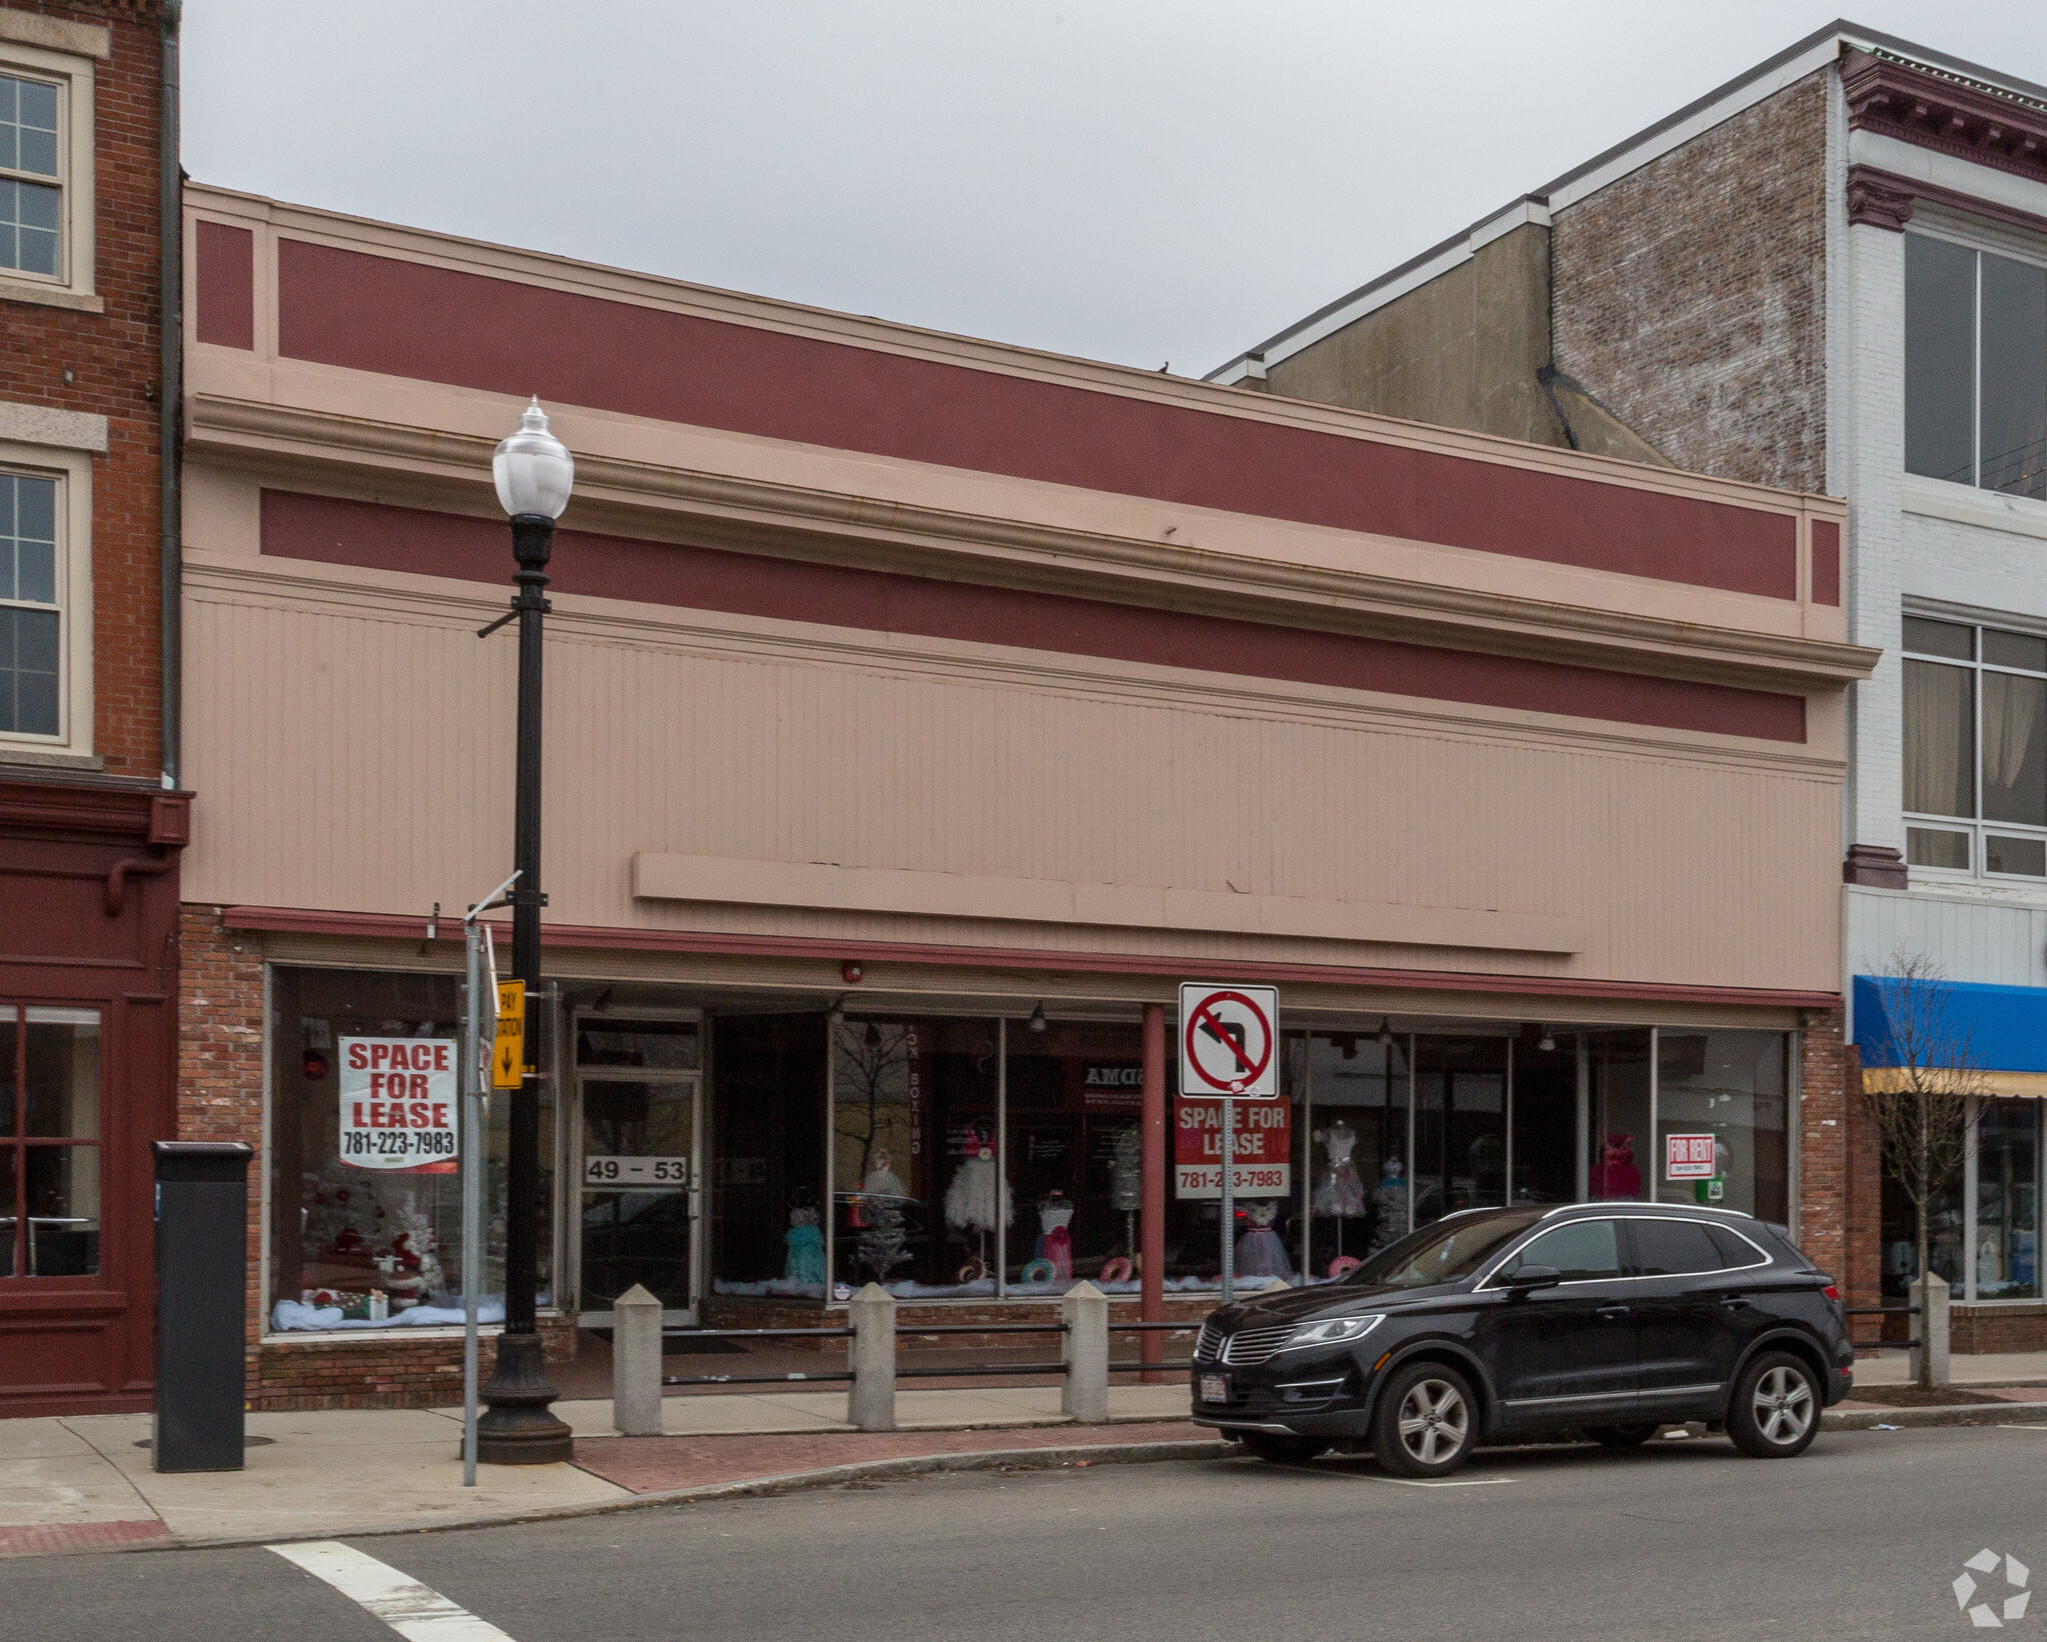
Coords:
pixel 1141 181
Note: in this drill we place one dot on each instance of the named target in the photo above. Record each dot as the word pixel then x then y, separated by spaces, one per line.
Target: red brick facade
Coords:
pixel 1690 296
pixel 89 847
pixel 109 364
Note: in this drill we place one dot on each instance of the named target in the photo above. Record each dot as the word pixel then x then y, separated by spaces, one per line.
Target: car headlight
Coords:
pixel 1332 1330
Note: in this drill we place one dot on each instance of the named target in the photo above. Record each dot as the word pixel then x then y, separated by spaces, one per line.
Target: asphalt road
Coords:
pixel 1861 1538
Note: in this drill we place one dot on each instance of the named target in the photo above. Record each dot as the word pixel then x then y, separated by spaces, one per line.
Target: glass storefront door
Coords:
pixel 639 1164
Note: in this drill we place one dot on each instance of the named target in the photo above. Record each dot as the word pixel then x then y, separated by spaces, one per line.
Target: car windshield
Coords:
pixel 1442 1253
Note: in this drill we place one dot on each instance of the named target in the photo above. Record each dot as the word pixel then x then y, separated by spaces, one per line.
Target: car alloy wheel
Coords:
pixel 1776 1411
pixel 1425 1423
pixel 1783 1403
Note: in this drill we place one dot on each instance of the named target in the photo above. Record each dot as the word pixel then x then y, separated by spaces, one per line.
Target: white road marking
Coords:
pixel 415 1611
pixel 1414 1482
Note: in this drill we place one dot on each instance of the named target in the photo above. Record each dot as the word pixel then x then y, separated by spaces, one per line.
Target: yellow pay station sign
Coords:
pixel 508 1049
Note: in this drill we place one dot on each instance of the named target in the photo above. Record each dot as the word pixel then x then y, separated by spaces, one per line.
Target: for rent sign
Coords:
pixel 398 1100
pixel 1265 1132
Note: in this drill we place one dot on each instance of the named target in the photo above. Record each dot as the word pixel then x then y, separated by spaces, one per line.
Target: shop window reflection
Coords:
pixel 2007 1200
pixel 1354 1094
pixel 1460 1125
pixel 767 1175
pixel 1617 1127
pixel 1731 1086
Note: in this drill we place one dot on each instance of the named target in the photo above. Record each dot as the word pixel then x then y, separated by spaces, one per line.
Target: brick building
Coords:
pixel 921 710
pixel 1829 274
pixel 92 823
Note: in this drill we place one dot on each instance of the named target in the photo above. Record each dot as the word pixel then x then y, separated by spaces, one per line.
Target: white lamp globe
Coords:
pixel 533 469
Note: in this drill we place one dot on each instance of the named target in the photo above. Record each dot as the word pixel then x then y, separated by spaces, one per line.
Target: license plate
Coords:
pixel 1215 1388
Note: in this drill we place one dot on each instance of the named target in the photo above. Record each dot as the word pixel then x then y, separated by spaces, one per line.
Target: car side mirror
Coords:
pixel 1524 1278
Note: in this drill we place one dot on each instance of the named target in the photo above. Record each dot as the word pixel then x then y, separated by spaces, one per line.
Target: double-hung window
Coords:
pixel 1975 366
pixel 31 176
pixel 1975 748
pixel 31 608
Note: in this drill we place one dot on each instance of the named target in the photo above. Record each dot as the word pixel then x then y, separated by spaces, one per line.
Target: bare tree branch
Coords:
pixel 1921 1105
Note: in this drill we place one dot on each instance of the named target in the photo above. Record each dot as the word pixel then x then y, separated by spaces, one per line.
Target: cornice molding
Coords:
pixel 1884 199
pixel 1946 113
pixel 205 202
pixel 299 448
pixel 387 926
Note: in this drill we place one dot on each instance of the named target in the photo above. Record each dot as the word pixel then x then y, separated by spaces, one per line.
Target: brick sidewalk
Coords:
pixel 652 1465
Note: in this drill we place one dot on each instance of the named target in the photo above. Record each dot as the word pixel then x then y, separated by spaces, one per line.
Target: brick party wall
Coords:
pixel 1690 296
pixel 1823 1194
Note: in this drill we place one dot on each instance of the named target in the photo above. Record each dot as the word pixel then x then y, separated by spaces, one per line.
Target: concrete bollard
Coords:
pixel 1085 1350
pixel 636 1363
pixel 871 1403
pixel 1930 1294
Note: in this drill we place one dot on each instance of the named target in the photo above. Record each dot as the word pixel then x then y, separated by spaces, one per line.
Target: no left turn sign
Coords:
pixel 1227 1036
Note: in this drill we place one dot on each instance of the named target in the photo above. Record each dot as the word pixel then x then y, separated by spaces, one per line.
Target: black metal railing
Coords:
pixel 795 1378
pixel 1884 1311
pixel 1140 1365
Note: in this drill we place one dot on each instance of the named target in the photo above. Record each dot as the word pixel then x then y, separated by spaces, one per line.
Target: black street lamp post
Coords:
pixel 534 473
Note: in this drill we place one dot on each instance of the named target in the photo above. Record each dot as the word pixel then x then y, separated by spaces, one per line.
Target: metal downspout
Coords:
pixel 171 395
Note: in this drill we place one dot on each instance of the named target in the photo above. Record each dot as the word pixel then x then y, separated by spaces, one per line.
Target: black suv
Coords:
pixel 1610 1318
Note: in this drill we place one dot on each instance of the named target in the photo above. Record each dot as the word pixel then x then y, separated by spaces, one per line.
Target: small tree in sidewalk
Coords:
pixel 1920 1104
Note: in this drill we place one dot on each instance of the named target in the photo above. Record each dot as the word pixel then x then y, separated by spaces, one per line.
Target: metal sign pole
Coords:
pixel 472 1190
pixel 1229 1203
pixel 479 1020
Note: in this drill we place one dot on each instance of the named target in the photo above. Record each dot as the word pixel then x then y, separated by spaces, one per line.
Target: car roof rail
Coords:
pixel 1613 1205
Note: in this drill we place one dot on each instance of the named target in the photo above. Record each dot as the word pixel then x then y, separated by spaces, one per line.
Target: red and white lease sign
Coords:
pixel 1264 1132
pixel 398 1104
pixel 1688 1157
pixel 1228 1041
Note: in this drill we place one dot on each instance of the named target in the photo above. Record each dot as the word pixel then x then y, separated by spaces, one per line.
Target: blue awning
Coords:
pixel 2005 1028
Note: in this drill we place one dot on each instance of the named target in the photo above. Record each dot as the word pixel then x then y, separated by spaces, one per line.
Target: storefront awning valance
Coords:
pixel 2004 1029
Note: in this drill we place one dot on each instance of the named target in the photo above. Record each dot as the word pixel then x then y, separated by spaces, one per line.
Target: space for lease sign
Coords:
pixel 398 1104
pixel 1265 1132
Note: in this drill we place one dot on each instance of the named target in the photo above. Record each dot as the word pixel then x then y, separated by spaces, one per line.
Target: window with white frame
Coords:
pixel 45 602
pixel 31 613
pixel 46 175
pixel 1975 749
pixel 1976 366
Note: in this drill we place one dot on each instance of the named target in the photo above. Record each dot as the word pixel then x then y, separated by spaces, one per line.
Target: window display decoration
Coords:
pixel 1391 1202
pixel 1616 1177
pixel 1261 1251
pixel 1339 1193
pixel 1055 1236
pixel 973 1200
pixel 805 1242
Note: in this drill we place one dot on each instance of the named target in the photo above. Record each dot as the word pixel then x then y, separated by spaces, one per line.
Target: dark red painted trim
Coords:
pixel 1826 562
pixel 1944 113
pixel 226 294
pixel 386 926
pixel 333 531
pixel 407 319
pixel 1903 193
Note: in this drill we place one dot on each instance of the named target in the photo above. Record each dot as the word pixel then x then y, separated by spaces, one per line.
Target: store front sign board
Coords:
pixel 1229 1036
pixel 398 1105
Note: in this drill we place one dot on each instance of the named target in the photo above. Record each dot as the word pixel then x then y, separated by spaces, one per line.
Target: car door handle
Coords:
pixel 1734 1302
pixel 1614 1311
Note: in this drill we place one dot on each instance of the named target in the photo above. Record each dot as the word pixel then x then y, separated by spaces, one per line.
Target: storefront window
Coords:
pixel 2007 1200
pixel 1720 1110
pixel 917 1188
pixel 1076 1103
pixel 767 1144
pixel 1353 1092
pixel 1460 1125
pixel 1545 1149
pixel 49 1147
pixel 1617 1130
pixel 365 1188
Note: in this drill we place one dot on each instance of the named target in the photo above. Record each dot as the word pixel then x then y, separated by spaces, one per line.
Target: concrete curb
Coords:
pixel 790 1482
pixel 1868 1419
pixel 1031 1459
